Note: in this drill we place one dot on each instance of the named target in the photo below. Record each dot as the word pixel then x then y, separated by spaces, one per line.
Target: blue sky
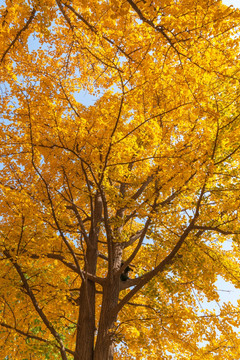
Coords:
pixel 235 3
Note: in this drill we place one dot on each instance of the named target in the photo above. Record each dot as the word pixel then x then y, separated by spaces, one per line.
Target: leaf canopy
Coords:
pixel 158 143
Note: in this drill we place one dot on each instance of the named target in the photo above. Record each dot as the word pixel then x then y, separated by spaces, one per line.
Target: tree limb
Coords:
pixel 31 336
pixel 73 267
pixel 19 34
pixel 161 267
pixel 92 28
pixel 36 305
pixel 212 228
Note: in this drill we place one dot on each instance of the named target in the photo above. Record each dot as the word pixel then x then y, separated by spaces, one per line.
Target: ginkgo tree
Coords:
pixel 144 178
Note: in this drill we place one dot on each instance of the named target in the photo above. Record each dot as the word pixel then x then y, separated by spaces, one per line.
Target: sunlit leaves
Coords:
pixel 159 142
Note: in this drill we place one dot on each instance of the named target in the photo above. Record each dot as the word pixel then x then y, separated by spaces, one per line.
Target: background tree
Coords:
pixel 147 177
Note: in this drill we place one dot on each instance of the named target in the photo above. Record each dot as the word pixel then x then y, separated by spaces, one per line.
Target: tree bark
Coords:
pixel 104 348
pixel 104 344
pixel 86 320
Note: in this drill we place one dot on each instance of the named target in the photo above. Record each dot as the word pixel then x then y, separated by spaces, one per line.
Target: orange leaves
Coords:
pixel 158 145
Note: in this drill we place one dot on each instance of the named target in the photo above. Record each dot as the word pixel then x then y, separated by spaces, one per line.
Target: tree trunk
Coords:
pixel 104 344
pixel 104 348
pixel 86 319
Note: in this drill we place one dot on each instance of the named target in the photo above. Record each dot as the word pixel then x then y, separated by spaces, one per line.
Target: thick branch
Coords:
pixel 149 22
pixel 73 267
pixel 137 248
pixel 142 188
pixel 133 238
pixel 107 228
pixel 64 14
pixel 143 280
pixel 128 283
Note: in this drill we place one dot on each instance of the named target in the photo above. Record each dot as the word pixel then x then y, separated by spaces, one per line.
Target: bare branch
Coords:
pixel 102 256
pixel 128 283
pixel 26 334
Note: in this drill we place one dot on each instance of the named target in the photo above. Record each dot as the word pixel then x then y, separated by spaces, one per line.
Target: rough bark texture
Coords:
pixel 104 348
pixel 86 319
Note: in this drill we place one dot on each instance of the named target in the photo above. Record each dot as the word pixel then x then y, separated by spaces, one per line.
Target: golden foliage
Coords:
pixel 158 139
